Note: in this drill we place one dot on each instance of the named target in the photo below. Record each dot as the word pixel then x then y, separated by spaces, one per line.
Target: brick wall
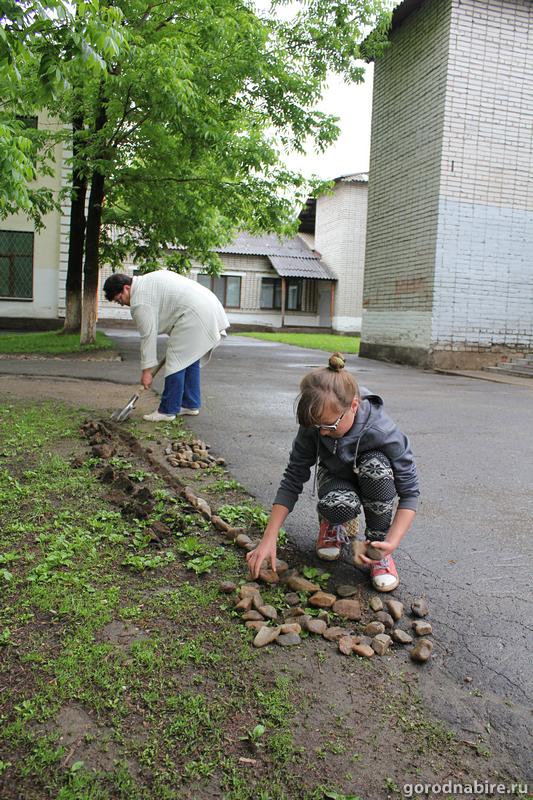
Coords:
pixel 484 257
pixel 407 128
pixel 449 264
pixel 340 239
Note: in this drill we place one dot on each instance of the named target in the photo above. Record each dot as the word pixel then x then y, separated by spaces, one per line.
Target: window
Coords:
pixel 271 293
pixel 16 265
pixel 226 287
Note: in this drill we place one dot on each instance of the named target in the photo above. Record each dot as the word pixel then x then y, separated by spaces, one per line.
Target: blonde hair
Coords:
pixel 331 384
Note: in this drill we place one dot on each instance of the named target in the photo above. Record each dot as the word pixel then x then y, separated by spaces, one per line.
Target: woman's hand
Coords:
pixel 146 378
pixel 266 549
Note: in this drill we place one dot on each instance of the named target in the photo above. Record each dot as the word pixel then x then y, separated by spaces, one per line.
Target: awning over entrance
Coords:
pixel 297 267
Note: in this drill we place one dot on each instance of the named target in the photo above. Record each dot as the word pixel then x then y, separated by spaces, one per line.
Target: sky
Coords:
pixel 352 103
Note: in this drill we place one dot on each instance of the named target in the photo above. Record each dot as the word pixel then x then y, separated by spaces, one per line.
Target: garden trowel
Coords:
pixel 122 414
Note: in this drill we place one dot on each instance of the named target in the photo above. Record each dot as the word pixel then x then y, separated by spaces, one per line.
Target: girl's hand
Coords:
pixel 264 550
pixel 386 548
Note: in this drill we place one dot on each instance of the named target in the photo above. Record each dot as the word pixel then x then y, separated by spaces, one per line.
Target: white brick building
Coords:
pixel 340 233
pixel 33 262
pixel 449 253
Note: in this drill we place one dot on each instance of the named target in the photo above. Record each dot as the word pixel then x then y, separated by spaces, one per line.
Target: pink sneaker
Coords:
pixel 331 538
pixel 384 575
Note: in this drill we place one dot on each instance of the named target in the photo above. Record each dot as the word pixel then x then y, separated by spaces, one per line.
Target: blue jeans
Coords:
pixel 181 389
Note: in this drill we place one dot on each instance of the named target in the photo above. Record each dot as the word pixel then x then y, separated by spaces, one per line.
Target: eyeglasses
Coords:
pixel 331 427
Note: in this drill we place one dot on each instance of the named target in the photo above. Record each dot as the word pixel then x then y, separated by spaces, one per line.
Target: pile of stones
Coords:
pixel 194 455
pixel 374 636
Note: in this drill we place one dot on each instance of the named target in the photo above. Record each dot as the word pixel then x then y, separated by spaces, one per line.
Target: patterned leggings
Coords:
pixel 372 487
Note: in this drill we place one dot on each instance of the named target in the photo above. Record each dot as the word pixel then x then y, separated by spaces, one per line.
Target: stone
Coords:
pixel 381 643
pixel 374 552
pixel 322 600
pixel 323 614
pixel 363 650
pixel 292 599
pixel 385 618
pixel 219 523
pixel 422 628
pixel 395 608
pixel 376 603
pixel 281 566
pixel 244 604
pixel 288 639
pixel 346 590
pixel 290 627
pixel 189 495
pixel 295 611
pixel 317 626
pixel 358 550
pixel 419 607
pixel 373 628
pixel 401 636
pixel 334 633
pixel 266 635
pixel 242 540
pixel 299 584
pixel 349 609
pixel 227 587
pixel 268 611
pixel 303 621
pixel 248 589
pixel 268 576
pixel 256 625
pixel 203 507
pixel 421 651
pixel 291 573
pixel 252 615
pixel 346 644
pixel 257 601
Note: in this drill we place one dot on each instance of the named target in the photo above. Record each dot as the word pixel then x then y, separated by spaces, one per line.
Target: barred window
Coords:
pixel 16 265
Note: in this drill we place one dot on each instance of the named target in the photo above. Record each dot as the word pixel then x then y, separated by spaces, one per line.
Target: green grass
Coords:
pixel 51 343
pixel 314 341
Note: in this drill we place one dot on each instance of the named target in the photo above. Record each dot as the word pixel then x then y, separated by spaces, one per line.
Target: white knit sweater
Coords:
pixel 164 302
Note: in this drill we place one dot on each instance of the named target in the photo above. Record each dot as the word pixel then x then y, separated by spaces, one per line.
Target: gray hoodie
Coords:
pixel 372 429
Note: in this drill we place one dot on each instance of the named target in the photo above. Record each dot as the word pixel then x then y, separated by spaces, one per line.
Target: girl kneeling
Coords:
pixel 362 461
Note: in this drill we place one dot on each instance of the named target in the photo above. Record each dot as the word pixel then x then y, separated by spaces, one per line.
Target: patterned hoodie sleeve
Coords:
pixel 302 457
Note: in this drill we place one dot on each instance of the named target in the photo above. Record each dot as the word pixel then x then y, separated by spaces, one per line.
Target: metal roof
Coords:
pixel 267 245
pixel 356 177
pixel 291 258
pixel 295 267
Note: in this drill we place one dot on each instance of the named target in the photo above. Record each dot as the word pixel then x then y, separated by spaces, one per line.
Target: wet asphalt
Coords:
pixel 470 551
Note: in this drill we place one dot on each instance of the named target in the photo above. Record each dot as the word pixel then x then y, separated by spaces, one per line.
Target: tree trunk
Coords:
pixel 76 240
pixel 90 271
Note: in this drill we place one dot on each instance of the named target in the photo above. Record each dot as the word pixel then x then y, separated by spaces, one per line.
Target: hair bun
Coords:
pixel 336 362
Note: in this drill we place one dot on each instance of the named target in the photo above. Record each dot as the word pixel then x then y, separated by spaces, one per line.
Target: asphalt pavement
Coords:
pixel 470 550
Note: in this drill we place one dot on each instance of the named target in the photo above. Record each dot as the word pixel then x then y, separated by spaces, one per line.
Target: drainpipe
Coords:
pixel 331 303
pixel 283 300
